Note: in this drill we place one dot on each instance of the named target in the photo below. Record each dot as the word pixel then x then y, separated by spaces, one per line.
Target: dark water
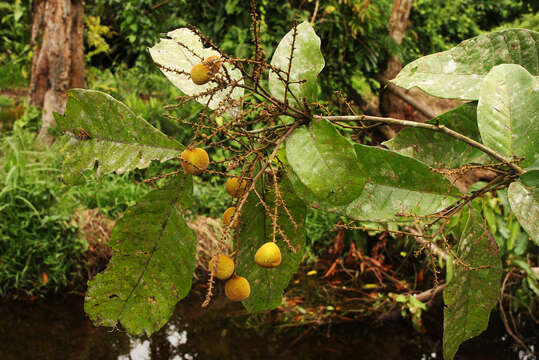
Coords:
pixel 56 328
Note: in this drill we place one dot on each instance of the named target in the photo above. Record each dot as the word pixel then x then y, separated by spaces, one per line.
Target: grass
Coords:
pixel 39 247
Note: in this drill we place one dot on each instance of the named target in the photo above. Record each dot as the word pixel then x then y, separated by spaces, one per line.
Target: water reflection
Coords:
pixel 58 329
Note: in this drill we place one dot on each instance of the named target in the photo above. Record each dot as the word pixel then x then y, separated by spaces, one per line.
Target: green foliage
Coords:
pixel 306 64
pixel 112 194
pixel 439 150
pixel 267 285
pixel 146 93
pixel 527 21
pixel 472 293
pixel 507 111
pixel 319 167
pixel 96 35
pixel 525 204
pixel 110 134
pixel 326 163
pixel 154 250
pixel 439 25
pixel 397 187
pixel 458 73
pixel 37 236
pixel 15 34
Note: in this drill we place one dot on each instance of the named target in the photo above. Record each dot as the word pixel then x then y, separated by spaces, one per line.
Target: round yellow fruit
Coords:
pixel 201 74
pixel 237 288
pixel 234 187
pixel 224 268
pixel 195 161
pixel 227 216
pixel 268 256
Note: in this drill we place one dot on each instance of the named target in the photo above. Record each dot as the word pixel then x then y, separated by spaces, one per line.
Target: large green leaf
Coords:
pixel 508 112
pixel 471 294
pixel 325 162
pixel 152 264
pixel 437 149
pixel 307 62
pixel 107 132
pixel 525 204
pixel 457 73
pixel 267 285
pixel 177 55
pixel 397 188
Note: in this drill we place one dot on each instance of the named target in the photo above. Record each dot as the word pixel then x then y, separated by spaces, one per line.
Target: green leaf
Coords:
pixel 507 113
pixel 530 274
pixel 109 133
pixel 531 176
pixel 458 73
pixel 525 205
pixel 176 62
pixel 267 285
pixel 325 162
pixel 152 265
pixel 307 62
pixel 397 188
pixel 437 149
pixel 471 294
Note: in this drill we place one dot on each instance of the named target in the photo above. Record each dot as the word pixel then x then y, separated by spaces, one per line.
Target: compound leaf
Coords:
pixel 152 264
pixel 472 293
pixel 458 73
pixel 106 131
pixel 267 285
pixel 307 62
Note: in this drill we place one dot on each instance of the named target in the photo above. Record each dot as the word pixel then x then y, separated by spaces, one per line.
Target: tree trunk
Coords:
pixel 58 63
pixel 398 22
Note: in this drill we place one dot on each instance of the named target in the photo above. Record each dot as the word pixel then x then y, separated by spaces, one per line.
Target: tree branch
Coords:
pixel 438 128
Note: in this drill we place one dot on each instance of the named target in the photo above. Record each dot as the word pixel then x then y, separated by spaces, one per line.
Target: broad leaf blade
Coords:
pixel 176 62
pixel 508 112
pixel 267 285
pixel 109 133
pixel 325 162
pixel 458 73
pixel 471 294
pixel 152 265
pixel 525 205
pixel 397 188
pixel 307 62
pixel 437 149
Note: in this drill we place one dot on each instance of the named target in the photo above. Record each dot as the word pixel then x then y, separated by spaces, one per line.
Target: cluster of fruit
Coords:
pixel 237 288
pixel 194 162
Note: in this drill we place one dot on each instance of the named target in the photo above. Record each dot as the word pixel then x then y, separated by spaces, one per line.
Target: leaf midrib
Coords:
pixel 152 252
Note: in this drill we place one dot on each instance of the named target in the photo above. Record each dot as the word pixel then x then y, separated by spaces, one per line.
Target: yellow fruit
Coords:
pixel 237 288
pixel 234 187
pixel 202 73
pixel 268 256
pixel 225 266
pixel 195 161
pixel 227 216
